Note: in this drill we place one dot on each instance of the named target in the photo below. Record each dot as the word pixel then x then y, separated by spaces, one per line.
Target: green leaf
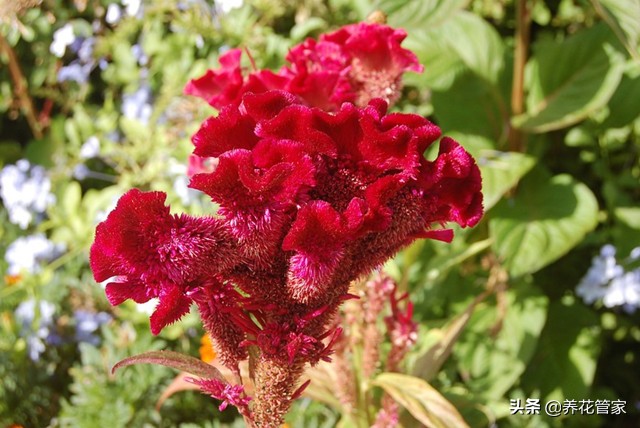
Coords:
pixel 624 107
pixel 565 361
pixel 501 171
pixel 569 80
pixel 411 14
pixel 493 363
pixel 477 43
pixel 629 216
pixel 484 116
pixel 182 362
pixel 623 16
pixel 543 222
pixel 430 363
pixel 420 399
pixel 441 63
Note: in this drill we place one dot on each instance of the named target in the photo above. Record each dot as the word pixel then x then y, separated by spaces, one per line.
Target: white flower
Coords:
pixel 227 5
pixel 90 148
pixel 604 268
pixel 27 252
pixel 114 14
pixel 25 192
pixel 624 291
pixel 606 280
pixel 62 38
pixel 132 6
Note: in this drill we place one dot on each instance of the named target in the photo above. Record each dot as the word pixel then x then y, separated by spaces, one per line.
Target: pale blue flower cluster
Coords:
pixel 138 105
pixel 609 282
pixel 26 192
pixel 36 327
pixel 87 324
pixel 27 253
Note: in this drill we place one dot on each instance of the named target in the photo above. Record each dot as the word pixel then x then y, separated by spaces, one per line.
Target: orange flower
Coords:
pixel 12 279
pixel 207 353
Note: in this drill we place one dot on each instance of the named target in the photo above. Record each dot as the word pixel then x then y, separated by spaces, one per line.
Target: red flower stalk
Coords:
pixel 309 201
pixel 354 64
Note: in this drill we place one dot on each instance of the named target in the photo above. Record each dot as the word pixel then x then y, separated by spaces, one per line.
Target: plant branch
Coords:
pixel 20 88
pixel 522 36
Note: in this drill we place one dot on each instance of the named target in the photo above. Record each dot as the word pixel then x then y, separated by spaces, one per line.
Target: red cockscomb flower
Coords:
pixel 356 64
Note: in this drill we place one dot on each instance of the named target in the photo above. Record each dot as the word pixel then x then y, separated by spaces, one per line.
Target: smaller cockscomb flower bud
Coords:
pixel 402 330
pixel 227 85
pixel 229 394
pixel 150 253
pixel 221 308
pixel 378 61
pixel 355 64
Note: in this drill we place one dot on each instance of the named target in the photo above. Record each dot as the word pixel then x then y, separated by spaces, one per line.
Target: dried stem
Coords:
pixel 20 88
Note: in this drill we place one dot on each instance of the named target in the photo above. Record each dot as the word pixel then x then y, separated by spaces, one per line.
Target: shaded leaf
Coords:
pixel 623 106
pixel 565 361
pixel 420 399
pixel 494 363
pixel 430 363
pixel 629 216
pixel 543 222
pixel 483 116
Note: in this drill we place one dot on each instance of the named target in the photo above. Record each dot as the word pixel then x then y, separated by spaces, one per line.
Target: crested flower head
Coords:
pixel 308 202
pixel 149 253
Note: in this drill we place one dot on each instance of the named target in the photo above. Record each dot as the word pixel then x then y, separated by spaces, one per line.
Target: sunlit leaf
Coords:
pixel 420 399
pixel 569 80
pixel 542 222
pixel 501 171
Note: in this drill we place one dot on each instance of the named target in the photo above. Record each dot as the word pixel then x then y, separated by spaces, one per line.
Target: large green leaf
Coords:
pixel 623 106
pixel 493 364
pixel 565 361
pixel 473 106
pixel 545 220
pixel 477 43
pixel 569 80
pixel 424 402
pixel 501 171
pixel 441 63
pixel 623 16
pixel 411 14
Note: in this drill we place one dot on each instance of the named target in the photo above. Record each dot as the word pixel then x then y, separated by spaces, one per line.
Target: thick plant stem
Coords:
pixel 20 88
pixel 522 38
pixel 275 383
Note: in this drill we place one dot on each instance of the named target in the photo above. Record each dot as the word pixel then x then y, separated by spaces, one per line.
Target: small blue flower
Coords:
pixel 138 106
pixel 87 323
pixel 25 191
pixel 36 328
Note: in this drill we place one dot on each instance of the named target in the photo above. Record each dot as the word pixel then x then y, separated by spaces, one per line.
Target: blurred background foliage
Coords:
pixel 543 93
